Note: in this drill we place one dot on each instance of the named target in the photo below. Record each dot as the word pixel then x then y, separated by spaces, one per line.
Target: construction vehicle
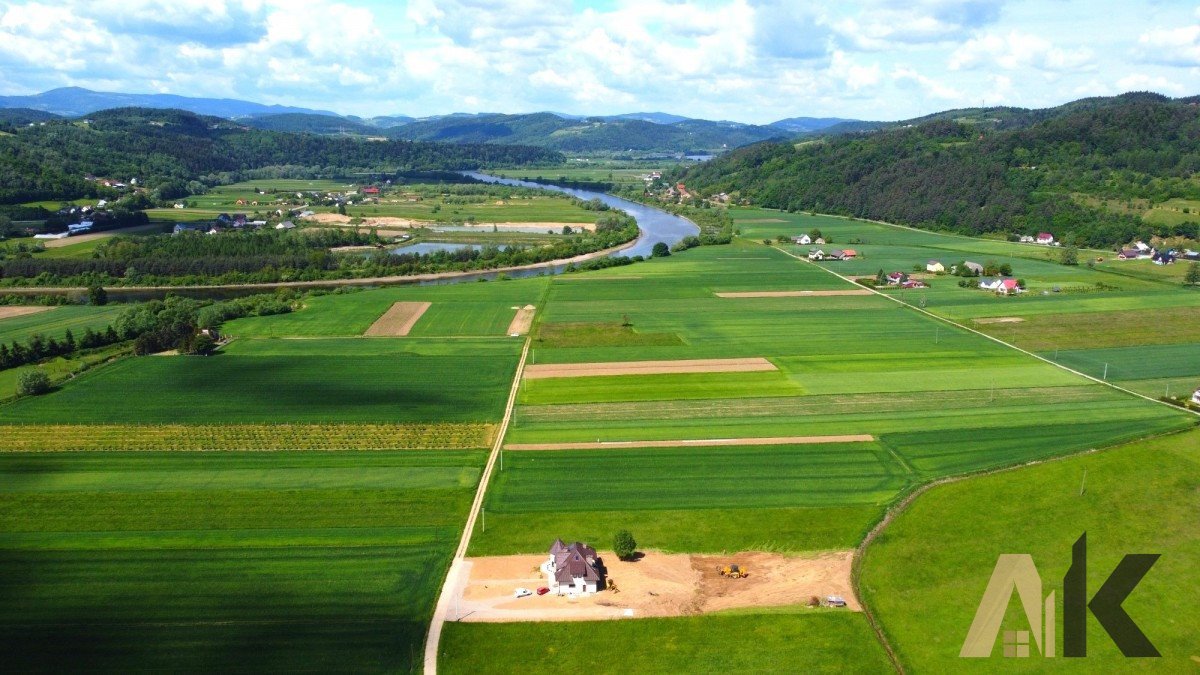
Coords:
pixel 733 571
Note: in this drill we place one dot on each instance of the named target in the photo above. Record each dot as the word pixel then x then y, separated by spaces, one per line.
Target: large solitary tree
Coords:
pixel 624 544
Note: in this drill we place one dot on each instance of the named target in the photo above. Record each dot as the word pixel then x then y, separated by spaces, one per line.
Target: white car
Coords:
pixel 835 601
pixel 522 592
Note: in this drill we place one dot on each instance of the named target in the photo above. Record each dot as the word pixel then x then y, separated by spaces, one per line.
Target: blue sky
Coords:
pixel 750 61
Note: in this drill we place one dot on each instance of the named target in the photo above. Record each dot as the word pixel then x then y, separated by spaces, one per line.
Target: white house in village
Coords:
pixel 934 266
pixel 803 240
pixel 1196 397
pixel 573 569
pixel 1045 238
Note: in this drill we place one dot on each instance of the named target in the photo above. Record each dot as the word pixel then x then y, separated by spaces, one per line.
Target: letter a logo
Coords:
pixel 1013 572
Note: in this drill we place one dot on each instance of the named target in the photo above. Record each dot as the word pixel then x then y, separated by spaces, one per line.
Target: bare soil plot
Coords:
pixel 12 312
pixel 792 294
pixel 763 220
pixel 1000 319
pixel 743 365
pixel 698 443
pixel 523 321
pixel 656 585
pixel 398 320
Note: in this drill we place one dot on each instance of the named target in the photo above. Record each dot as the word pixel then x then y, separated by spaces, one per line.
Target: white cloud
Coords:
pixel 892 24
pixel 1144 82
pixel 906 77
pixel 1178 46
pixel 1015 50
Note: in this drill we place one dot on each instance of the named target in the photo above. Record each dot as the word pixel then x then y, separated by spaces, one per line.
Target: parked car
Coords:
pixel 543 590
pixel 522 592
pixel 835 601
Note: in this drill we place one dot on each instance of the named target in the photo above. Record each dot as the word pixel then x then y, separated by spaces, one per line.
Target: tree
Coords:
pixel 660 250
pixel 624 544
pixel 1192 276
pixel 33 383
pixel 815 234
pixel 1069 256
pixel 97 296
pixel 880 278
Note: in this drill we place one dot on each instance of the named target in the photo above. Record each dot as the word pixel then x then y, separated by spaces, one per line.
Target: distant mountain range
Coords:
pixel 638 131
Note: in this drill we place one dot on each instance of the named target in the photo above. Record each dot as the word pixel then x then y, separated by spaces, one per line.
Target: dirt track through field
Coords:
pixel 657 584
pixel 791 294
pixel 697 443
pixel 522 322
pixel 12 312
pixel 746 365
pixel 398 320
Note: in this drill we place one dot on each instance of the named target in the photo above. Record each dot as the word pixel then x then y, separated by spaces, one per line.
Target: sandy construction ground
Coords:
pixel 792 294
pixel 398 320
pixel 656 585
pixel 522 322
pixel 7 312
pixel 391 221
pixel 696 443
pixel 537 372
pixel 1000 319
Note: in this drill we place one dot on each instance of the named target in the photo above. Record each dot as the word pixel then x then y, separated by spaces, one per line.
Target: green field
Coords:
pixel 462 310
pixel 804 641
pixel 925 575
pixel 57 321
pixel 226 562
pixel 316 380
pixel 698 499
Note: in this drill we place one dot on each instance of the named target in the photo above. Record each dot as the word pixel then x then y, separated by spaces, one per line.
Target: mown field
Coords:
pixel 54 323
pixel 304 381
pixel 805 641
pixel 925 575
pixel 177 562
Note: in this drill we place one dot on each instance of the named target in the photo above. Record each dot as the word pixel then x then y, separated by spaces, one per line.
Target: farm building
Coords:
pixel 1128 254
pixel 914 283
pixel 1045 238
pixel 573 569
pixel 372 190
pixel 1163 258
pixel 836 254
pixel 286 225
pixel 803 240
pixel 819 241
pixel 816 254
pixel 1196 397
pixel 849 254
pixel 896 278
pixel 934 266
pixel 975 267
pixel 990 284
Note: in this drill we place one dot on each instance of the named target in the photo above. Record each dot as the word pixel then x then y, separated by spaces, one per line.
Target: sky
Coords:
pixel 742 60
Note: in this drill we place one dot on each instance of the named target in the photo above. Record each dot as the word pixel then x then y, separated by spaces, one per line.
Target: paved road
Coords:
pixel 458 566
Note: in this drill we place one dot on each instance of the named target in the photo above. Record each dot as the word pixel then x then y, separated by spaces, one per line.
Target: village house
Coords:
pixel 1009 287
pixel 836 254
pixel 819 241
pixel 914 283
pixel 1128 254
pixel 990 284
pixel 849 254
pixel 573 569
pixel 816 254
pixel 1026 239
pixel 803 240
pixel 934 266
pixel 1196 397
pixel 896 278
pixel 1163 258
pixel 372 190
pixel 1045 238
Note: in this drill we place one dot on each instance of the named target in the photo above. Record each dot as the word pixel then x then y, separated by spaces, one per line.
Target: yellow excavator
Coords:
pixel 733 571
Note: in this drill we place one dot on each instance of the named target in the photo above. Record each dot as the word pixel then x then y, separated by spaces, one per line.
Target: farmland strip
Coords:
pixel 790 294
pixel 398 320
pixel 648 368
pixel 12 312
pixel 705 442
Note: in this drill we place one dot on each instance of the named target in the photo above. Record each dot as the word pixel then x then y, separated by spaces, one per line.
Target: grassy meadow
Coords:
pixel 925 575
pixel 806 641
pixel 55 322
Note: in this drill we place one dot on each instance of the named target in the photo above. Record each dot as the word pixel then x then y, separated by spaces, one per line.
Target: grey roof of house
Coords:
pixel 575 561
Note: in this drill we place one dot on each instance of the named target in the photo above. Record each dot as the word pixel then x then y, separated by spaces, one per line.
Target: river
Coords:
pixel 656 225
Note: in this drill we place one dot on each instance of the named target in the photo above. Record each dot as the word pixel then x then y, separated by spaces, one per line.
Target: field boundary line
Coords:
pixel 455 573
pixel 997 340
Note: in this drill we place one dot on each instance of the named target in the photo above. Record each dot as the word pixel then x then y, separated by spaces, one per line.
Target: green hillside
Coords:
pixel 1083 172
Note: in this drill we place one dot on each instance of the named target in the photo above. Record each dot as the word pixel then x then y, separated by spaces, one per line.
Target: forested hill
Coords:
pixel 1071 174
pixel 611 134
pixel 165 149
